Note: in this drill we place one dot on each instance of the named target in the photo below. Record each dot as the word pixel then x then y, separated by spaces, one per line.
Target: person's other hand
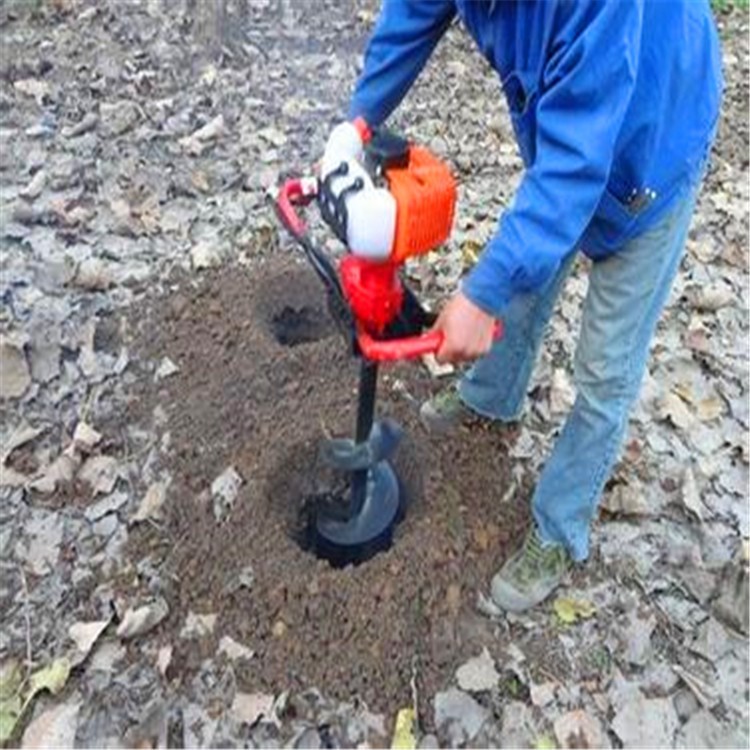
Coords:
pixel 468 331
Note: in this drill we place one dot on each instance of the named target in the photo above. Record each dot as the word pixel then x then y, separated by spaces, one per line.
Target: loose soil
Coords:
pixel 264 377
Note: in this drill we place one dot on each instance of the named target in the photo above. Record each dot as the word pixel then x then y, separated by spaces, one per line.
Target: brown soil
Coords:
pixel 242 398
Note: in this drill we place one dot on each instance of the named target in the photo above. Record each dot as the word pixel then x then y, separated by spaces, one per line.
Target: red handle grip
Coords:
pixel 397 349
pixel 407 348
pixel 295 192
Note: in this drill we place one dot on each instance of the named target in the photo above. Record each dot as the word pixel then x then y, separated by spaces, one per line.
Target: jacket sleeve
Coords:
pixel 587 85
pixel 404 37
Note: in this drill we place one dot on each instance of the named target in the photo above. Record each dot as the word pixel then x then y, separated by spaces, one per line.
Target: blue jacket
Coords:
pixel 614 105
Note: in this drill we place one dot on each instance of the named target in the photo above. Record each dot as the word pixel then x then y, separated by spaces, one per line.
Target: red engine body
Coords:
pixel 373 291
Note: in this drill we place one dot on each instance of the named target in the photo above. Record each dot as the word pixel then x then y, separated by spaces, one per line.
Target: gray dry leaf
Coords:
pixel 152 504
pixel 637 640
pixel 85 635
pixel 233 650
pixel 245 579
pixel 578 729
pixel 100 473
pixel 248 708
pixel 542 694
pixel 141 620
pixel 478 674
pixel 198 626
pixel 691 498
pixel 626 498
pixel 15 377
pixel 733 604
pixel 518 726
pixel 713 297
pixel 166 369
pixel 562 394
pixel 211 130
pixel 22 434
pixel 85 437
pixel 35 186
pixel 202 138
pixel 164 659
pixel 459 716
pixel 44 353
pixel 224 491
pixel 62 469
pixel 41 549
pixel 204 255
pixel 108 504
pixel 671 407
pixel 712 642
pixel 646 722
pixel 86 124
pixel 54 727
pixel 93 275
pixel 704 730
pixel 32 87
pixel 118 117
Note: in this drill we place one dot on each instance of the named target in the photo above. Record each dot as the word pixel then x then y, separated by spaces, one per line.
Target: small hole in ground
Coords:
pixel 293 326
pixel 303 488
pixel 335 503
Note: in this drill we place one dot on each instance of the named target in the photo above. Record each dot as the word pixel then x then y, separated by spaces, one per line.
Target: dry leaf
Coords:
pixel 578 729
pixel 673 408
pixel 85 635
pixel 100 473
pixel 478 674
pixel 562 394
pixel 691 498
pixel 142 620
pixel 32 87
pixel 21 435
pixel 152 504
pixel 55 727
pixel 164 659
pixel 625 498
pixel 404 737
pixel 569 611
pixel 248 708
pixel 62 469
pixel 51 678
pixel 234 651
pixel 709 409
pixel 15 377
pixel 85 437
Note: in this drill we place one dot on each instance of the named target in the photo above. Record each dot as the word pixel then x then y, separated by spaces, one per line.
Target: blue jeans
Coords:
pixel 627 292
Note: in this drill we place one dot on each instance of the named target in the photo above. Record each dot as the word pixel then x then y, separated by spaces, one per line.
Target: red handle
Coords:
pixel 396 349
pixel 407 348
pixel 295 192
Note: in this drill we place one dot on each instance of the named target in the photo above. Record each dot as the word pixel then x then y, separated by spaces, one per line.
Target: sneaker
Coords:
pixel 531 575
pixel 444 411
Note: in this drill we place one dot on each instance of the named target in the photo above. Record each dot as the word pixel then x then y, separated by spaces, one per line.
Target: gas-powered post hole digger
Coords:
pixel 387 200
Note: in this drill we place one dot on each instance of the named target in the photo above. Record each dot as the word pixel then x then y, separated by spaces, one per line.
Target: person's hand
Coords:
pixel 468 331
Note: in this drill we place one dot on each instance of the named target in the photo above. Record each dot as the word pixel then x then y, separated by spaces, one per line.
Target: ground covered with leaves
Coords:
pixel 156 421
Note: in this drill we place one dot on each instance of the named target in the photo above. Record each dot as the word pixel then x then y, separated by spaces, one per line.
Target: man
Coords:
pixel 614 106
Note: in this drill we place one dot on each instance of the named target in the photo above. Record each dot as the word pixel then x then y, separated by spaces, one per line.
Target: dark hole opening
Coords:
pixel 294 326
pixel 335 502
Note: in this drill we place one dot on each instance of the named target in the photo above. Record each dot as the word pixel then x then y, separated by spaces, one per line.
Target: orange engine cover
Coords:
pixel 425 194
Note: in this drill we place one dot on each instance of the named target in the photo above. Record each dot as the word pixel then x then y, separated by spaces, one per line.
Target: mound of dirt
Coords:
pixel 263 377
